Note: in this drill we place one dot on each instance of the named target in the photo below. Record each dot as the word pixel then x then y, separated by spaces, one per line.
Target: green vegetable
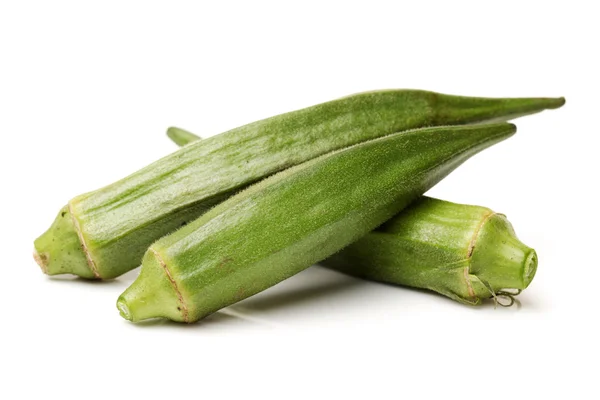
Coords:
pixel 467 253
pixel 293 219
pixel 103 234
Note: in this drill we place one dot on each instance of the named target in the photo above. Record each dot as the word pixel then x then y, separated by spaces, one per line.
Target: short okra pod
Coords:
pixel 297 217
pixel 465 252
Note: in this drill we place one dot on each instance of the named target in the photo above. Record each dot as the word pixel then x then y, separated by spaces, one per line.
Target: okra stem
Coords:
pixel 180 136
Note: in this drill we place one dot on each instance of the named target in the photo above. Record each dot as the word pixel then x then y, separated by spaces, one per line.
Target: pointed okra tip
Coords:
pixel 59 249
pixel 548 103
pixel 533 105
pixel 552 103
pixel 557 102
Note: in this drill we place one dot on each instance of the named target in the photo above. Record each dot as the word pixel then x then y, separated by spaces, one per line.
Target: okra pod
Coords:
pixel 297 217
pixel 467 253
pixel 104 233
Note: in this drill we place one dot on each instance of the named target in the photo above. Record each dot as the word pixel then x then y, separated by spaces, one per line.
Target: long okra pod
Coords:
pixel 293 219
pixel 105 233
pixel 465 252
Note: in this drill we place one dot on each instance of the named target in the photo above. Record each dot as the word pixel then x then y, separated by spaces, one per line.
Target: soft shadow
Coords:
pixel 219 318
pixel 486 304
pixel 60 279
pixel 248 312
pixel 129 277
pixel 123 280
pixel 297 297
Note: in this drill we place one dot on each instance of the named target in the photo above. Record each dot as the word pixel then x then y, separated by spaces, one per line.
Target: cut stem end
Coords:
pixel 59 249
pixel 41 260
pixel 530 267
pixel 124 309
pixel 500 260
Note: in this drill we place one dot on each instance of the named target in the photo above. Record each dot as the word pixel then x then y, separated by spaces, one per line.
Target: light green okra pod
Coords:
pixel 104 233
pixel 293 219
pixel 468 253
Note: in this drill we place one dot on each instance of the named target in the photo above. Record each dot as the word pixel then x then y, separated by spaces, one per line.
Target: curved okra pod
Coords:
pixel 104 233
pixel 467 253
pixel 293 219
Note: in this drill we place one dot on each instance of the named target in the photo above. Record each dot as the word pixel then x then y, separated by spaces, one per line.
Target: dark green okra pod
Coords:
pixel 465 252
pixel 104 233
pixel 293 219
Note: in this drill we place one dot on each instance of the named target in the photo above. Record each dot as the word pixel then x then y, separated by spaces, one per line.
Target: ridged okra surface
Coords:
pixel 104 233
pixel 293 219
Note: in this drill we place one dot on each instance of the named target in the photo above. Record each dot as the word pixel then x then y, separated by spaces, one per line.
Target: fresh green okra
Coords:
pixel 104 233
pixel 289 221
pixel 468 253
pixel 465 252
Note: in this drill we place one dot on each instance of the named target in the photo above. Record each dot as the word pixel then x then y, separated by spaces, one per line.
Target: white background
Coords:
pixel 87 91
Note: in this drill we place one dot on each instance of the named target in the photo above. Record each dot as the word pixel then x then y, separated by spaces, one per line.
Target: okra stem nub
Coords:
pixel 499 259
pixel 181 137
pixel 60 250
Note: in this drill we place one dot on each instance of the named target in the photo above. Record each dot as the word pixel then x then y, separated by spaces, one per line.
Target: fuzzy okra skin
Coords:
pixel 467 253
pixel 289 221
pixel 104 233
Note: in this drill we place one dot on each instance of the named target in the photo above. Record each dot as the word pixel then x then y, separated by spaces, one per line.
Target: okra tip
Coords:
pixel 536 104
pixel 555 102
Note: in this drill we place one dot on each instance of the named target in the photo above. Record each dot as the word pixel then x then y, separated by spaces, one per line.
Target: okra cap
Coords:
pixel 154 294
pixel 59 250
pixel 499 260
